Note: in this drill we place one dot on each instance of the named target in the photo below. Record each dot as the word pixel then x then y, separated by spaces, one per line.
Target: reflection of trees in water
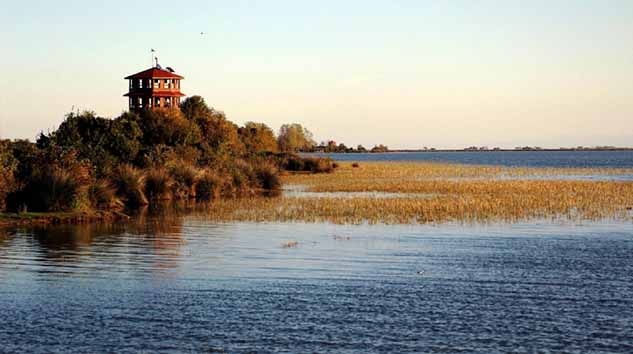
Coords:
pixel 71 242
pixel 153 240
pixel 160 227
pixel 150 239
pixel 5 237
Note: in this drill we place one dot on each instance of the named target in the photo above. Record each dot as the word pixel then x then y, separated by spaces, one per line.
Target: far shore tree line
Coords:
pixel 296 138
pixel 192 152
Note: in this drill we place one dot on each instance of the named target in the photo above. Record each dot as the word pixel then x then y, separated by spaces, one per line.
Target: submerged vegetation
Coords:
pixel 189 153
pixel 432 193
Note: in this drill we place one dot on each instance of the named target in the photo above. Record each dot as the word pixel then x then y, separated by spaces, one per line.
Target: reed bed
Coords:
pixel 454 193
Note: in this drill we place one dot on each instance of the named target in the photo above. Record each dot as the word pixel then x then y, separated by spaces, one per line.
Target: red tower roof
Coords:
pixel 152 73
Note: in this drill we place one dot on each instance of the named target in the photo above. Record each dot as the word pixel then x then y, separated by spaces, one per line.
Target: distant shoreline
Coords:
pixel 470 150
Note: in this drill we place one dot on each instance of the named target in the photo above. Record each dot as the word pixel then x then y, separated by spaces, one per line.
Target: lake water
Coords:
pixel 189 285
pixel 598 159
pixel 185 284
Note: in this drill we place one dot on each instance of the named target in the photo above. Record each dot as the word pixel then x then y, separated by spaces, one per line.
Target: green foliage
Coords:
pixel 156 153
pixel 194 107
pixel 54 190
pixel 257 137
pixel 380 148
pixel 107 143
pixel 294 137
pixel 8 165
pixel 29 159
pixel 169 127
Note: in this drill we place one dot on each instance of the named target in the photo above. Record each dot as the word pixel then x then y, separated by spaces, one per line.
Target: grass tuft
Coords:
pixel 129 183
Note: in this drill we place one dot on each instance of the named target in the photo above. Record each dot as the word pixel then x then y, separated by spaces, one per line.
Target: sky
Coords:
pixel 404 73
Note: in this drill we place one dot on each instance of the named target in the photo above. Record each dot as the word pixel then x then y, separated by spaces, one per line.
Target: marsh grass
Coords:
pixel 455 193
pixel 209 186
pixel 158 184
pixel 129 183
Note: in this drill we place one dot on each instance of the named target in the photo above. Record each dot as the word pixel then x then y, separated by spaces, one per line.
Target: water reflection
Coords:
pixel 163 282
pixel 150 242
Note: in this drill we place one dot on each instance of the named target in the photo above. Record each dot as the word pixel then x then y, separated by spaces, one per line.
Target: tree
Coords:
pixel 194 107
pixel 220 139
pixel 258 137
pixel 294 137
pixel 331 146
pixel 380 148
pixel 8 164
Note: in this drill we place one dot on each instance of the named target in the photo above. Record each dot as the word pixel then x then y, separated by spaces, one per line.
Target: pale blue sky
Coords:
pixel 404 73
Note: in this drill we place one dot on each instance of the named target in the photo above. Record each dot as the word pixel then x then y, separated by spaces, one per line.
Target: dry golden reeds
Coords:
pixel 447 193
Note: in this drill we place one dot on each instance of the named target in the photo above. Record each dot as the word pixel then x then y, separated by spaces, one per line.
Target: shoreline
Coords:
pixel 59 218
pixel 470 150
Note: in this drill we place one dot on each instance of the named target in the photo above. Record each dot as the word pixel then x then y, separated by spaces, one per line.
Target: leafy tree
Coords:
pixel 294 137
pixel 8 164
pixel 380 148
pixel 169 127
pixel 194 107
pixel 258 137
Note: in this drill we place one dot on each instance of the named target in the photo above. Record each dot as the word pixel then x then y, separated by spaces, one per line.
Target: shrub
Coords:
pixel 129 182
pixel 184 178
pixel 294 163
pixel 209 186
pixel 318 165
pixel 55 190
pixel 157 184
pixel 268 177
pixel 247 169
pixel 355 165
pixel 8 164
pixel 238 182
pixel 102 195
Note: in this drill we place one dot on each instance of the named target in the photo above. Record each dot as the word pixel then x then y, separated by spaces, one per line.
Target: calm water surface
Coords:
pixel 189 285
pixel 596 159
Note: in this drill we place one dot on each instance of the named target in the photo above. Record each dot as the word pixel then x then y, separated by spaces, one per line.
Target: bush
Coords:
pixel 102 195
pixel 8 164
pixel 184 178
pixel 209 186
pixel 355 165
pixel 56 190
pixel 158 184
pixel 318 165
pixel 129 182
pixel 293 162
pixel 268 177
